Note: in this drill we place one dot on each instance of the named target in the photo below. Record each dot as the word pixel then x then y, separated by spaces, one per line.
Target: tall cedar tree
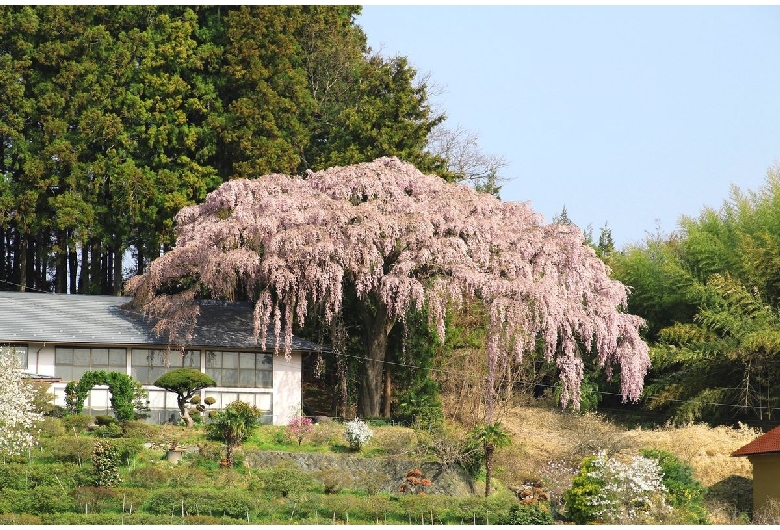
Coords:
pixel 114 118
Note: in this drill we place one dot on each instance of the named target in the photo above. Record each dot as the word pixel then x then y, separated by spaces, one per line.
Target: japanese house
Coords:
pixel 62 336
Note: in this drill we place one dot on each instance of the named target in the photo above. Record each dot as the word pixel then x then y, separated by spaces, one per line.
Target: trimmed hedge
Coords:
pixel 201 501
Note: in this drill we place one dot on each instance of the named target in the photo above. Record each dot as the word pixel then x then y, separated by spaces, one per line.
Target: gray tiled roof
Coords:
pixel 90 319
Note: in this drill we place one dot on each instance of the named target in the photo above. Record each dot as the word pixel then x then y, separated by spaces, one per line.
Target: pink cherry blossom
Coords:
pixel 400 239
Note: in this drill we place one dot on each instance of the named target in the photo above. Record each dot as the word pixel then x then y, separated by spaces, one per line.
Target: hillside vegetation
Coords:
pixel 550 444
pixel 56 484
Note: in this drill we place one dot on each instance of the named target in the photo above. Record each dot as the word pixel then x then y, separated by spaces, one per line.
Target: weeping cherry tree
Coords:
pixel 396 239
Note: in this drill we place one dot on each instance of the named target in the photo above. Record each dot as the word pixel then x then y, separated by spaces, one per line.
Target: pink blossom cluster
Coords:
pixel 406 239
pixel 299 427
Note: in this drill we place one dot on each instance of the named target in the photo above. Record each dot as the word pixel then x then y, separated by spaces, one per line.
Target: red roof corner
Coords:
pixel 768 442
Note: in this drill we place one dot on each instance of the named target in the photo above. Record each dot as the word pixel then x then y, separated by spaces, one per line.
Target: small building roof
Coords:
pixel 41 377
pixel 769 442
pixel 97 319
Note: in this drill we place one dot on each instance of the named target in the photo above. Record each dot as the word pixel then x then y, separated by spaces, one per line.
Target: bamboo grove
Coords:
pixel 709 293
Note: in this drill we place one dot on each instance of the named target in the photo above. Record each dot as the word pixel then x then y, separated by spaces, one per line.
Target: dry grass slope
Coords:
pixel 550 444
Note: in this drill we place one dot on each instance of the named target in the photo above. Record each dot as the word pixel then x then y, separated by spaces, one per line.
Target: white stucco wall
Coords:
pixel 284 400
pixel 287 388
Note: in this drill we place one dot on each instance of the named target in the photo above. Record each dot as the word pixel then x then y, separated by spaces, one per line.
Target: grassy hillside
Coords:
pixel 55 484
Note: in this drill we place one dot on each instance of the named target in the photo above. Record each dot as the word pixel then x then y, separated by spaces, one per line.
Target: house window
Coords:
pixel 148 365
pixel 70 364
pixel 243 370
pixel 21 354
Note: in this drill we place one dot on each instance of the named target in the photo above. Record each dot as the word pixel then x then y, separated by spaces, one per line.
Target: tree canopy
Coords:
pixel 710 296
pixel 144 109
pixel 396 239
pixel 185 383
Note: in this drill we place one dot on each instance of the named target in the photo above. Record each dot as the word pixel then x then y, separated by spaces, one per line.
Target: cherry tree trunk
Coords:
pixel 388 392
pixel 376 329
pixel 489 448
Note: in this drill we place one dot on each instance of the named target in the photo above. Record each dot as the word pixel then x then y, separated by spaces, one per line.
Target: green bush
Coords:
pixel 284 479
pixel 77 423
pixel 20 519
pixel 187 477
pixel 210 451
pixel 334 479
pixel 228 502
pixel 138 429
pixel 127 448
pixel 45 499
pixel 683 492
pixel 13 477
pixel 583 488
pixel 152 476
pixel 27 476
pixel 129 519
pixel 52 427
pixel 105 464
pixel 111 430
pixel 68 448
pixel 525 514
pixel 467 510
pixel 105 419
pixel 14 501
pixel 102 500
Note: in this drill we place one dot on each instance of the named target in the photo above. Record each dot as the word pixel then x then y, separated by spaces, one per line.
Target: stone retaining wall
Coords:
pixel 384 474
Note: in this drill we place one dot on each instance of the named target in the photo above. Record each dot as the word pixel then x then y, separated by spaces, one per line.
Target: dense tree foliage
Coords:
pixel 710 295
pixel 397 239
pixel 114 118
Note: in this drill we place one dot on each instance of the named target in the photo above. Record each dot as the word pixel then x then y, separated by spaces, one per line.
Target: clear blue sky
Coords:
pixel 627 115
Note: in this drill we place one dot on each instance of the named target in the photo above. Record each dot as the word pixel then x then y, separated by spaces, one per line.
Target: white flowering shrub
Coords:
pixel 613 491
pixel 18 417
pixel 357 434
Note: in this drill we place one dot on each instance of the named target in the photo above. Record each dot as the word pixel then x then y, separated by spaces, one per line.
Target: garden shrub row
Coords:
pixel 210 505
